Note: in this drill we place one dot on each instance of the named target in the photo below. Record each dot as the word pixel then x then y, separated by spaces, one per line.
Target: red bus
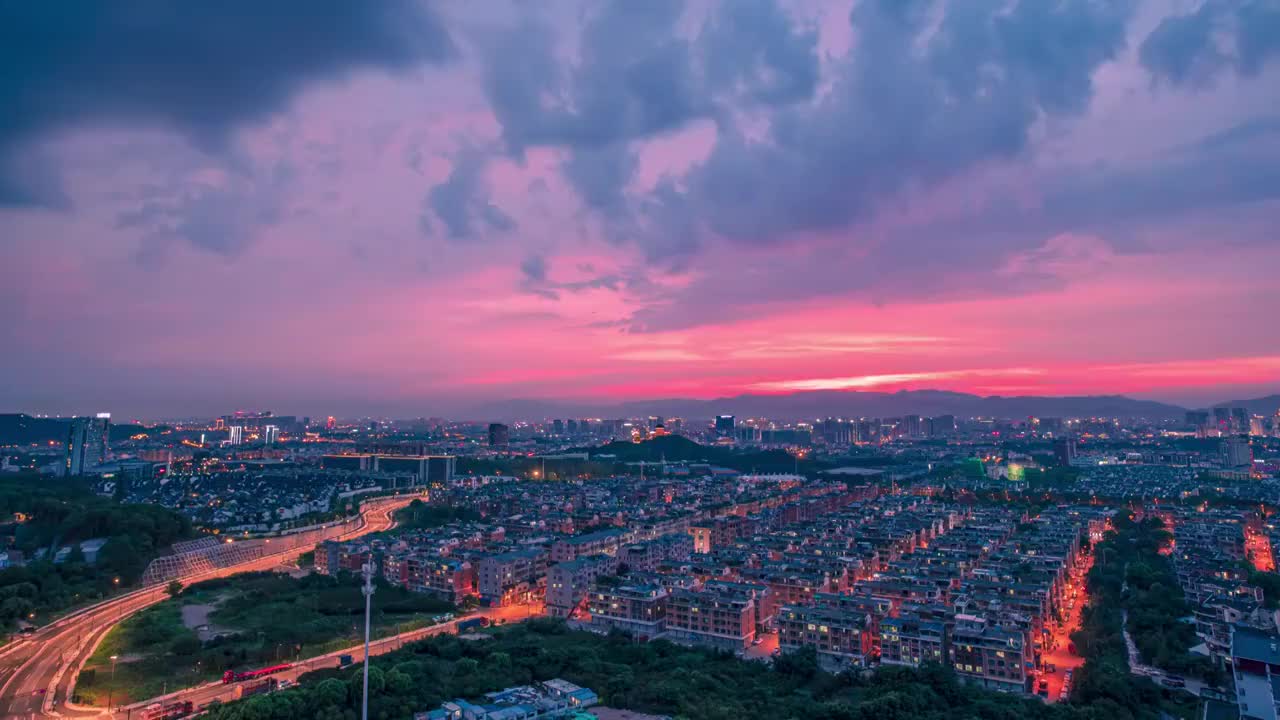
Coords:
pixel 231 676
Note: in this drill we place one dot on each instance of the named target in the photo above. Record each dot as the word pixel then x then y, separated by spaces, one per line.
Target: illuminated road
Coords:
pixel 1058 653
pixel 37 672
pixel 204 694
pixel 1258 548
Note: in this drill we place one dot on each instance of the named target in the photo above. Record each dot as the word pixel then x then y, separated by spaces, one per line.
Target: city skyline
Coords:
pixel 442 206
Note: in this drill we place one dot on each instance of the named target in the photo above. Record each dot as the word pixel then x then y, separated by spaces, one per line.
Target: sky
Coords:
pixel 403 208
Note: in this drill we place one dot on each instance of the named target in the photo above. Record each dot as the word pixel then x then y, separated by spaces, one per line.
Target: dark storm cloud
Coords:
pixel 1221 34
pixel 917 101
pixel 200 68
pixel 635 78
pixel 462 200
pixel 1229 169
pixel 898 118
pixel 218 218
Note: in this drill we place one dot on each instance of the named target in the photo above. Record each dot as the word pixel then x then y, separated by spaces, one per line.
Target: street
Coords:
pixel 1058 653
pixel 39 672
pixel 209 692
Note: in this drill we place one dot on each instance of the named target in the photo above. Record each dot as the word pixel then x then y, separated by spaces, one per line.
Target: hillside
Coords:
pixel 23 429
pixel 1269 405
pixel 810 405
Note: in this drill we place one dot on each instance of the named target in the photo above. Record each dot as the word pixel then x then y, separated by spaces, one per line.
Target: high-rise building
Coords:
pixel 836 432
pixel 499 435
pixel 1236 453
pixel 1197 418
pixel 1065 450
pixel 330 423
pixel 942 425
pixel 1222 418
pixel 573 427
pixel 557 426
pixel 1257 426
pixel 724 425
pixel 87 441
pixel 912 427
pixel 235 434
pixel 1239 420
pixel 270 434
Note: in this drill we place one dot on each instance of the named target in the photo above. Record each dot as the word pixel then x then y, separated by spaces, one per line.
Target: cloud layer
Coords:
pixel 406 206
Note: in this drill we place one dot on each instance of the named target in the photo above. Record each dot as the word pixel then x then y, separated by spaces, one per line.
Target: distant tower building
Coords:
pixel 1222 418
pixel 87 443
pixel 836 432
pixel 1198 420
pixel 557 426
pixel 1049 425
pixel 1239 420
pixel 1257 426
pixel 499 435
pixel 584 427
pixel 1236 453
pixel 724 425
pixel 572 426
pixel 912 426
pixel 1065 450
pixel 942 426
pixel 330 423
pixel 235 434
pixel 270 434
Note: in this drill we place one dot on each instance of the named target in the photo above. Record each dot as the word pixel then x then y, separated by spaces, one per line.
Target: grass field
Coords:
pixel 263 618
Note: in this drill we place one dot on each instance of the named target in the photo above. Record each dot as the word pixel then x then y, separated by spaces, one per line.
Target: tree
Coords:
pixel 174 588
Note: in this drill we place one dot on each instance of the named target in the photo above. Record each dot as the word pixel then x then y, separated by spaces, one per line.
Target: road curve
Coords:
pixel 37 673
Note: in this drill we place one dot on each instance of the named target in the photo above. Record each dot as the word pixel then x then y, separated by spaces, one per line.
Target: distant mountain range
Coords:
pixel 1268 405
pixel 810 405
pixel 21 429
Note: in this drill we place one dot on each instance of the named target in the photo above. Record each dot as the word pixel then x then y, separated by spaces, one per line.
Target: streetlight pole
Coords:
pixel 367 590
pixel 112 690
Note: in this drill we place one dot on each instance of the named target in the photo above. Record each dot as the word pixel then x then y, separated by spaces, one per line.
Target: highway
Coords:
pixel 37 672
pixel 207 693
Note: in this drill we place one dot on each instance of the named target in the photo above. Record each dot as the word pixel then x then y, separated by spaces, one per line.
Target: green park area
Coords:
pixel 239 623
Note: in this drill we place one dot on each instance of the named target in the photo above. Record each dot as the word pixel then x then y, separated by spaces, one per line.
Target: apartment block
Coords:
pixel 568 582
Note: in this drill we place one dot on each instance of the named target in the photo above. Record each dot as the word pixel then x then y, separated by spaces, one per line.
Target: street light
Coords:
pixel 367 590
pixel 112 689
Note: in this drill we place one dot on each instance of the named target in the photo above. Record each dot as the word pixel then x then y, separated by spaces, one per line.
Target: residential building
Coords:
pixel 638 609
pixel 842 638
pixel 1255 660
pixel 568 582
pixel 715 618
pixel 511 577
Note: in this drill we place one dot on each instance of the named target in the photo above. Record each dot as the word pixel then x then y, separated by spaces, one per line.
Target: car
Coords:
pixel 1044 684
pixel 757 641
pixel 1051 668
